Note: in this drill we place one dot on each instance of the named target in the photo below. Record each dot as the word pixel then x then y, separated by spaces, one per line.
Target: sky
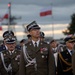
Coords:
pixel 29 11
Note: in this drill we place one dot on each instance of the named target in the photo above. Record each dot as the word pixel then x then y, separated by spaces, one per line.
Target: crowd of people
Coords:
pixel 35 56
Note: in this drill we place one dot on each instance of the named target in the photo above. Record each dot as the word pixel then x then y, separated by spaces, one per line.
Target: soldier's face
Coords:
pixel 70 45
pixel 54 44
pixel 35 33
pixel 11 46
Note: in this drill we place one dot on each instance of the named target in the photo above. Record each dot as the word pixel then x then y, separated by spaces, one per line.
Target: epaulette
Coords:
pixel 67 63
pixel 17 50
pixel 27 43
pixel 3 51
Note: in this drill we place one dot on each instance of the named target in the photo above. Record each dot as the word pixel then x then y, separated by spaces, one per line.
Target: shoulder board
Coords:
pixel 4 51
pixel 27 43
pixel 18 50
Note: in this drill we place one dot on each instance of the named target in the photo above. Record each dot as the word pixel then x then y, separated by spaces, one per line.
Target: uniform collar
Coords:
pixel 69 51
pixel 11 51
pixel 36 42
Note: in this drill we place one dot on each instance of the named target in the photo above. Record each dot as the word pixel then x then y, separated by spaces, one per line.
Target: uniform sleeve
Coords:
pixel 22 64
pixel 2 69
pixel 52 70
pixel 59 66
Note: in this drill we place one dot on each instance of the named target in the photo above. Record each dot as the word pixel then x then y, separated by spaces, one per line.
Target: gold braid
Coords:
pixel 69 64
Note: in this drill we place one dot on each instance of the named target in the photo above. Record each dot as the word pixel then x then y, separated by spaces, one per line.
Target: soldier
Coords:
pixel 64 63
pixel 9 59
pixel 54 49
pixel 36 57
pixel 23 41
pixel 5 35
pixel 29 37
pixel 42 36
pixel 54 46
pixel 73 58
pixel 73 63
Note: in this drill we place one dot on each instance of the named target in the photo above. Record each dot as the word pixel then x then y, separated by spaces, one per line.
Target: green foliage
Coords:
pixel 71 27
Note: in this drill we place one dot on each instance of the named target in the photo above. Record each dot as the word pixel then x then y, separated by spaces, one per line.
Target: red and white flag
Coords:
pixel 1 19
pixel 1 28
pixel 46 11
pixel 5 16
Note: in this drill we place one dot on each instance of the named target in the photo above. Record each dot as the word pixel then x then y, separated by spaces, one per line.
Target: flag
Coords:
pixel 46 11
pixel 1 28
pixel 0 25
pixel 1 19
pixel 5 16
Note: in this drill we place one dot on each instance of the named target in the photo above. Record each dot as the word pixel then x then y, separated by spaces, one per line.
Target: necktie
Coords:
pixel 35 44
pixel 10 52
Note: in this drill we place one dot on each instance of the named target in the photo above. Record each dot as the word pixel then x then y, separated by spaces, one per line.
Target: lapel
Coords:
pixel 39 46
pixel 31 46
pixel 14 54
pixel 68 56
pixel 8 54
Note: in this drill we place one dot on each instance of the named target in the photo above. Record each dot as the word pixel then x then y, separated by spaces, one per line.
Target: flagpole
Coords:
pixel 47 11
pixel 52 21
pixel 9 15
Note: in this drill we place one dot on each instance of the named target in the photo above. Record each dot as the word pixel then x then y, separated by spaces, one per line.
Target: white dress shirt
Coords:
pixel 69 51
pixel 36 42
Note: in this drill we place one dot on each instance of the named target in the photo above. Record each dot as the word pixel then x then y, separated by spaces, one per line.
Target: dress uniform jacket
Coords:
pixel 13 59
pixel 44 60
pixel 73 63
pixel 64 63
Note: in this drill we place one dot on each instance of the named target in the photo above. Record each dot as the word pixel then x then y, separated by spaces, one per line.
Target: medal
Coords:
pixel 42 56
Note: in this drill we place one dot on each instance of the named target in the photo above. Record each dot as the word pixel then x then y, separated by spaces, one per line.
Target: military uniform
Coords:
pixel 18 47
pixel 73 63
pixel 73 59
pixel 44 60
pixel 36 60
pixel 2 47
pixel 10 59
pixel 64 62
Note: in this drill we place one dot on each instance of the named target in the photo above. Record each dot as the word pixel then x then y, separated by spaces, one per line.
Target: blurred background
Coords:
pixel 55 17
